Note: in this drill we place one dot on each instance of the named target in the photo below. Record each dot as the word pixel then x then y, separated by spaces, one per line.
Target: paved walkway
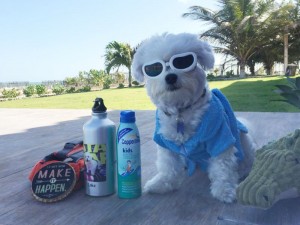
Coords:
pixel 27 135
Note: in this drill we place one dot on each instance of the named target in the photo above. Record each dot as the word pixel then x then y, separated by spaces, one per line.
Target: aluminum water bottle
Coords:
pixel 128 157
pixel 99 138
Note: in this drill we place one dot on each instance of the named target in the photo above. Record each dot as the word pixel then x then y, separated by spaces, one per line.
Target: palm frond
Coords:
pixel 199 13
pixel 117 54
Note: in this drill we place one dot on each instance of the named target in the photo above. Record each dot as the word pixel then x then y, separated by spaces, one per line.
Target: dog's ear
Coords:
pixel 136 66
pixel 204 52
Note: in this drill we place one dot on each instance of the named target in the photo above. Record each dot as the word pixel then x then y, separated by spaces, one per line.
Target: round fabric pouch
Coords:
pixel 53 182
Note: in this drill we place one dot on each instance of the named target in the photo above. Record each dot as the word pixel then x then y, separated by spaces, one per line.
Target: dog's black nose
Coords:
pixel 171 78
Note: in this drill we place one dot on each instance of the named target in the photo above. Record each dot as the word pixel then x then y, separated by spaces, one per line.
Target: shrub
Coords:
pixel 71 90
pixel 85 89
pixel 119 78
pixel 210 76
pixel 229 74
pixel 40 89
pixel 58 89
pixel 135 83
pixel 291 92
pixel 121 86
pixel 10 93
pixel 107 82
pixel 29 90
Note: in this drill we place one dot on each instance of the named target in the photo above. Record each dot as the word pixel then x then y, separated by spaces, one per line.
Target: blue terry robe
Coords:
pixel 218 130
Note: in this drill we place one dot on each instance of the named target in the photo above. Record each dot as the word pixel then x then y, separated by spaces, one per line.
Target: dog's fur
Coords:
pixel 91 166
pixel 186 97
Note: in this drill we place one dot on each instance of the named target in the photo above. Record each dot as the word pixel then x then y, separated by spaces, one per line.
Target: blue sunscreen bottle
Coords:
pixel 128 157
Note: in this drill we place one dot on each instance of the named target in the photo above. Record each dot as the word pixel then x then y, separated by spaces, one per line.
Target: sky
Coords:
pixel 50 40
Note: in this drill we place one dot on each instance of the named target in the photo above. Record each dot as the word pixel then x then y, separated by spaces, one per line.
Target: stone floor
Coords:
pixel 27 135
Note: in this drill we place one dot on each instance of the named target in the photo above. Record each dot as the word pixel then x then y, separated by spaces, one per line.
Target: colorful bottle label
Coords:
pixel 95 162
pixel 129 163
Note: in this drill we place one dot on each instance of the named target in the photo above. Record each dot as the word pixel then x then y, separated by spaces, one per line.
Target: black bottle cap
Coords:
pixel 99 106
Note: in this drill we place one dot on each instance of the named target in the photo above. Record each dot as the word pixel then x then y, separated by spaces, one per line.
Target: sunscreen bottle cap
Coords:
pixel 127 116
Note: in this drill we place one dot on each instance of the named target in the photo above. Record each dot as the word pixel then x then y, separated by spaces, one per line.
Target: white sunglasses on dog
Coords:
pixel 183 62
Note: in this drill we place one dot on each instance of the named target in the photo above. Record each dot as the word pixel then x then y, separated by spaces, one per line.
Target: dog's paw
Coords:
pixel 224 193
pixel 159 185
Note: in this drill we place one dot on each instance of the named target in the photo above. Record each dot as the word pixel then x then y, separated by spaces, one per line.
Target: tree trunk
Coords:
pixel 286 51
pixel 129 78
pixel 242 70
pixel 223 68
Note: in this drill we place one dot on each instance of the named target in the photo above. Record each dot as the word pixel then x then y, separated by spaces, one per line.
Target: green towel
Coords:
pixel 276 169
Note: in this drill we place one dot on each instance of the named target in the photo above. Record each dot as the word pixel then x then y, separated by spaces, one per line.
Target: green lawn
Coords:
pixel 253 94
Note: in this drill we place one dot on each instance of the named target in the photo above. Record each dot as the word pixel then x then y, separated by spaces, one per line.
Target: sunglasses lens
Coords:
pixel 154 69
pixel 183 62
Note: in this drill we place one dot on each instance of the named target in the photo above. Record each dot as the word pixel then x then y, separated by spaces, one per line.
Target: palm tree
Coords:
pixel 239 29
pixel 118 54
pixel 291 18
pixel 284 19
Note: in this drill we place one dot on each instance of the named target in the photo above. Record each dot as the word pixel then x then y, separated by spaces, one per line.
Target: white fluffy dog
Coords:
pixel 195 126
pixel 91 166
